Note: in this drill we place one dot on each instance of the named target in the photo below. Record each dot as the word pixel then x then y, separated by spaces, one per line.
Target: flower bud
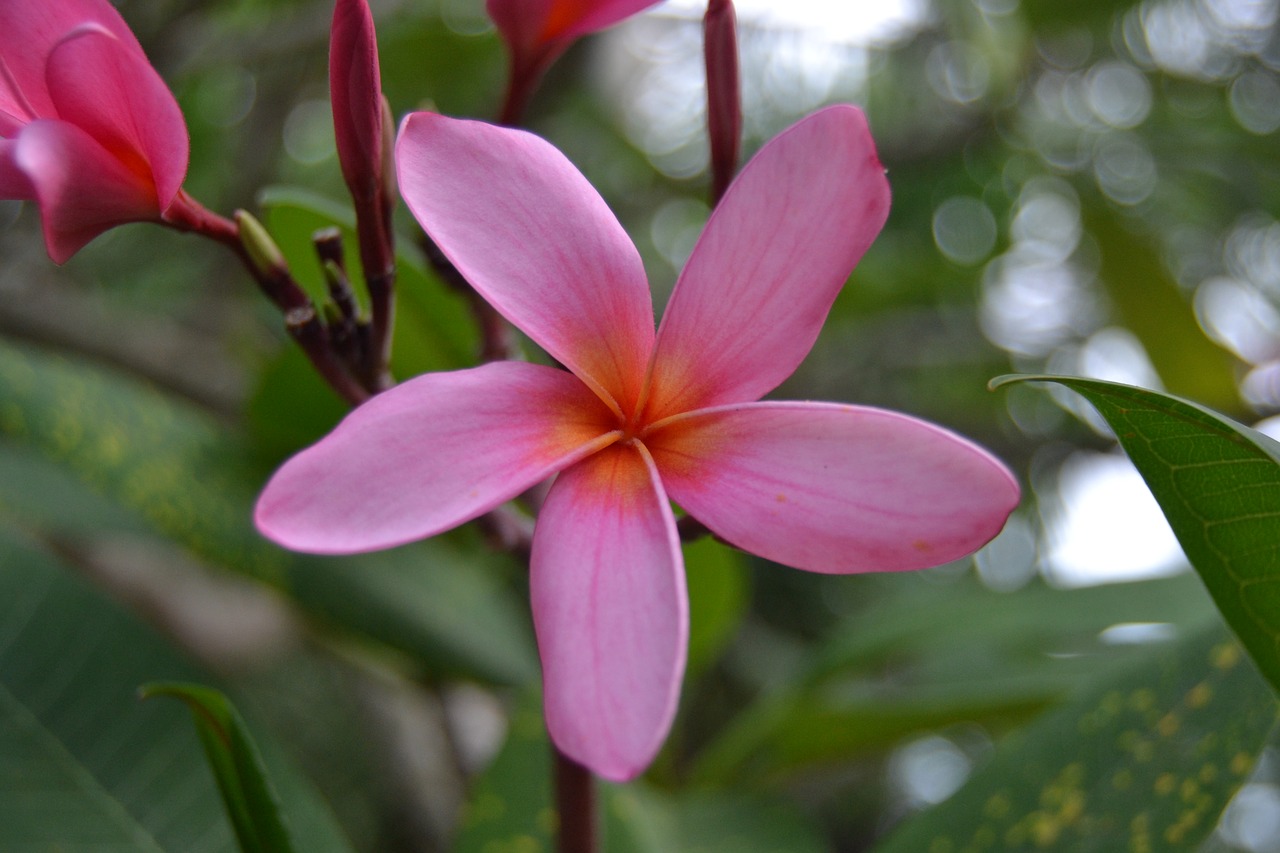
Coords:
pixel 267 259
pixel 724 96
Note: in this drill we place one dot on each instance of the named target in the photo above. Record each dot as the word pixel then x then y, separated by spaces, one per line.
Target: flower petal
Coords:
pixel 428 455
pixel 529 233
pixel 526 23
pixel 569 19
pixel 13 181
pixel 761 279
pixel 610 611
pixel 834 488
pixel 109 90
pixel 29 31
pixel 81 188
pixel 520 22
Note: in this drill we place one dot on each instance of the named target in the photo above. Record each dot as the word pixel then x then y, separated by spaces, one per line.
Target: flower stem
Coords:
pixel 576 804
pixel 300 318
pixel 521 81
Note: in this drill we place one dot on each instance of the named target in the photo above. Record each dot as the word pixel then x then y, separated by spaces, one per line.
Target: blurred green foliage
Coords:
pixel 1079 188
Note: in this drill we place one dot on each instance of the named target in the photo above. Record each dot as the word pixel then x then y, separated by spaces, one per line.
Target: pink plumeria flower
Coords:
pixel 538 31
pixel 641 419
pixel 87 127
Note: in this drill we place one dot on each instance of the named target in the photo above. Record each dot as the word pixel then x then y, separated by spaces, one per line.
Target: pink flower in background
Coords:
pixel 538 31
pixel 533 27
pixel 641 419
pixel 87 127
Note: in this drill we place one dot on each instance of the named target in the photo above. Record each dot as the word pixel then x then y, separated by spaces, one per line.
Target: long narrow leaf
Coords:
pixel 247 794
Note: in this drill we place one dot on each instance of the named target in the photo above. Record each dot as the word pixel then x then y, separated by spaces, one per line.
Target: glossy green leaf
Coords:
pixel 84 766
pixel 1144 761
pixel 250 800
pixel 1218 484
pixel 187 477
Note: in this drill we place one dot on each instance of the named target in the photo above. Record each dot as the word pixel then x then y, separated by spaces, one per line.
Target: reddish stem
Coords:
pixel 187 214
pixel 300 318
pixel 520 85
pixel 576 805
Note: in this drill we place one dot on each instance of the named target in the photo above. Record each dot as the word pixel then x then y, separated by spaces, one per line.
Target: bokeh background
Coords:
pixel 1082 188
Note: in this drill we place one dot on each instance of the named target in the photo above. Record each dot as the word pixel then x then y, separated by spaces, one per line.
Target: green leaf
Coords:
pixel 511 801
pixel 48 800
pixel 83 765
pixel 1146 760
pixel 717 579
pixel 441 603
pixel 649 821
pixel 511 809
pixel 187 476
pixel 929 621
pixel 1051 15
pixel 1152 306
pixel 955 651
pixel 237 767
pixel 1218 484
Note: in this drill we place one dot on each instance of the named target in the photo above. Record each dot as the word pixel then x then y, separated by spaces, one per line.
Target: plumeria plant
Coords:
pixel 609 461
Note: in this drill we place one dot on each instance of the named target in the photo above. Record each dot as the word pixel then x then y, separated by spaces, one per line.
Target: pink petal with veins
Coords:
pixel 430 454
pixel 529 233
pixel 776 251
pixel 834 488
pixel 610 611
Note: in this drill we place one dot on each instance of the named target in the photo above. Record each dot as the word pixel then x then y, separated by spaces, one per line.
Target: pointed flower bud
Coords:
pixel 267 259
pixel 355 89
pixel 724 94
pixel 88 130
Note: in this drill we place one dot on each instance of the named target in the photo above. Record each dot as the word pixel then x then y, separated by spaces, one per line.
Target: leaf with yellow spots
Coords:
pixel 1145 761
pixel 1218 484
pixel 86 452
pixel 958 653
